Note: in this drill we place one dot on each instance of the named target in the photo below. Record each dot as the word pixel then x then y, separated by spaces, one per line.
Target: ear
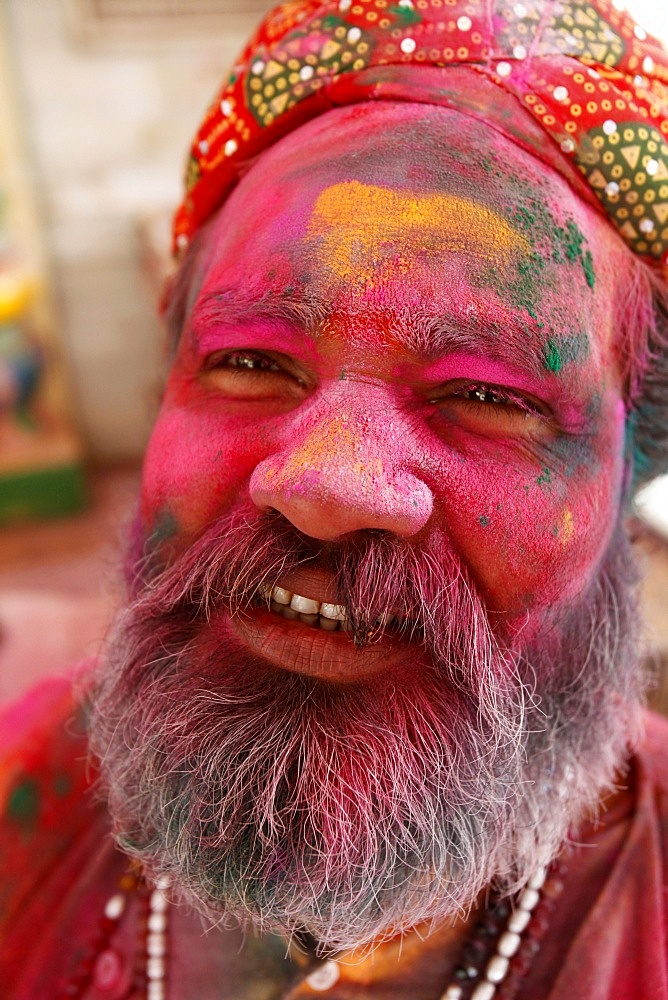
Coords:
pixel 651 425
pixel 644 348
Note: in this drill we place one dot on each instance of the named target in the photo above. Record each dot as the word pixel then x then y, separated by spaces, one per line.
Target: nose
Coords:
pixel 347 468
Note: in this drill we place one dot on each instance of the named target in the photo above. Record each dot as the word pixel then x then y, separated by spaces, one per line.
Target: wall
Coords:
pixel 108 126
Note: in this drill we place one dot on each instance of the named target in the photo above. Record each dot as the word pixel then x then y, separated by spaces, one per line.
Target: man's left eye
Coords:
pixel 496 397
pixel 252 375
pixel 483 394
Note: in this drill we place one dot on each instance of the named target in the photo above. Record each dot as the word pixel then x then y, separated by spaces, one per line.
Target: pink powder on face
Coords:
pixel 528 504
pixel 190 458
pixel 488 371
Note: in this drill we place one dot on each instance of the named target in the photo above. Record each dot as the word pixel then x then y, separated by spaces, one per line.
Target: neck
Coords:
pixel 418 961
pixel 406 957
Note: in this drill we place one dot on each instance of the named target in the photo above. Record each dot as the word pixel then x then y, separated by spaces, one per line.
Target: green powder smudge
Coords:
pixel 563 350
pixel 553 360
pixel 23 803
pixel 570 245
pixel 588 266
pixel 165 526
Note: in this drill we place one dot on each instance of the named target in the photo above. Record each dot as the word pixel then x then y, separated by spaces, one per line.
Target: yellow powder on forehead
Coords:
pixel 361 227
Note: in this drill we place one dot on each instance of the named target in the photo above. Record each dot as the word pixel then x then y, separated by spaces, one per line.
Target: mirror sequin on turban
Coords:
pixel 581 70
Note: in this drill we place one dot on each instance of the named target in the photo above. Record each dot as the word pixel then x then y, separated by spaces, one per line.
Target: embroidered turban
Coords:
pixel 577 82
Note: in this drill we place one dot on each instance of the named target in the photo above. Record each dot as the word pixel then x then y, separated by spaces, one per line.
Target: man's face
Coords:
pixel 396 392
pixel 407 341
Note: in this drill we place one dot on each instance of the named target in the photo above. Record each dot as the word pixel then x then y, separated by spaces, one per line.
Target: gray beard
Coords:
pixel 278 801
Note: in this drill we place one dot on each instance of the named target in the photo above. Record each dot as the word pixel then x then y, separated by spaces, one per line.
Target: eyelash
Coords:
pixel 499 399
pixel 266 364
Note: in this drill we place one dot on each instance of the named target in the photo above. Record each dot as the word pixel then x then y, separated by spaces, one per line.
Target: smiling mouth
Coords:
pixel 320 614
pixel 304 635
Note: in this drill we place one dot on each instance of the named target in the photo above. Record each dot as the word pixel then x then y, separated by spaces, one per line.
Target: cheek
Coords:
pixel 197 464
pixel 532 534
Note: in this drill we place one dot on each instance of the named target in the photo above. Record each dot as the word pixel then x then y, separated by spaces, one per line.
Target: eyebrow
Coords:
pixel 434 336
pixel 416 330
pixel 233 306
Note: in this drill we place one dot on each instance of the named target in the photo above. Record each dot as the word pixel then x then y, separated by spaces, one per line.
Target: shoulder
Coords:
pixel 45 781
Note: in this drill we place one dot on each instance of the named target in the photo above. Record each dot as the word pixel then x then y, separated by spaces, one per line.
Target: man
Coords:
pixel 370 706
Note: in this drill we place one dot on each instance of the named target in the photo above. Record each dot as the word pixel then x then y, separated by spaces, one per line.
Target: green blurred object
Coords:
pixel 42 493
pixel 40 474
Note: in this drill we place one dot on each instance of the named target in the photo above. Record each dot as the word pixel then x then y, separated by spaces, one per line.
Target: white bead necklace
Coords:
pixel 156 941
pixel 508 943
pixel 482 980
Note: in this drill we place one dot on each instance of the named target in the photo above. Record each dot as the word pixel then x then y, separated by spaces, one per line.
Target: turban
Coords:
pixel 576 82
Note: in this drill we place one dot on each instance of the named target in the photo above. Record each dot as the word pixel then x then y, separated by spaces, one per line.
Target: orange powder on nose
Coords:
pixel 362 229
pixel 326 440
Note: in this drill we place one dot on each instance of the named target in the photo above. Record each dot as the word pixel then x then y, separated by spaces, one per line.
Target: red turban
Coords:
pixel 580 72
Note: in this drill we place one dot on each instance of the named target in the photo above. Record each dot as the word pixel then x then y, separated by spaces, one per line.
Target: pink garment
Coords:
pixel 606 939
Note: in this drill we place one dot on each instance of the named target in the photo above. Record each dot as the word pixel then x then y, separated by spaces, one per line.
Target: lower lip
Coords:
pixel 329 656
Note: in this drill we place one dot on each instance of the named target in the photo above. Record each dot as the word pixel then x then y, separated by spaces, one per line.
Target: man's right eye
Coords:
pixel 248 361
pixel 242 361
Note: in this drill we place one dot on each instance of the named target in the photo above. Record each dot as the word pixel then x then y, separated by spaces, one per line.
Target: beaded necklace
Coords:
pixel 493 960
pixel 101 966
pixel 498 953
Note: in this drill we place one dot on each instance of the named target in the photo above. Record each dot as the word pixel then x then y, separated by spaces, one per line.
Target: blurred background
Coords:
pixel 98 102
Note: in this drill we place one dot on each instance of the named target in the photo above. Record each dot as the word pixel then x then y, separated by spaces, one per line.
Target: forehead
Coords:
pixel 393 207
pixel 413 148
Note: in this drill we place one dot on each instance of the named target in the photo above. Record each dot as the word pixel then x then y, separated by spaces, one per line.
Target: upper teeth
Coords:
pixel 305 606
